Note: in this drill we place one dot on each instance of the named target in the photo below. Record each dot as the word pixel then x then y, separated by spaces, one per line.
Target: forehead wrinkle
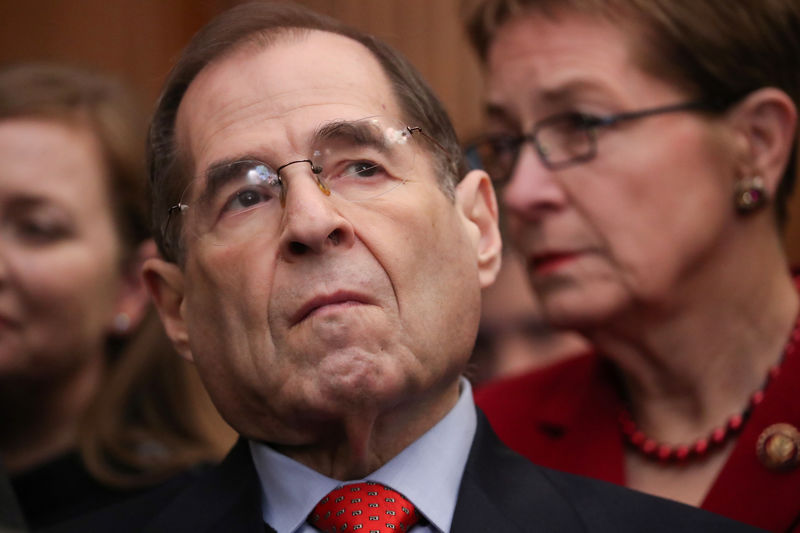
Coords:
pixel 353 130
pixel 219 119
pixel 561 81
pixel 535 48
pixel 231 103
pixel 297 143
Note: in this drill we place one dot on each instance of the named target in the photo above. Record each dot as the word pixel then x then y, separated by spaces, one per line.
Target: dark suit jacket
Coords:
pixel 500 492
pixel 11 520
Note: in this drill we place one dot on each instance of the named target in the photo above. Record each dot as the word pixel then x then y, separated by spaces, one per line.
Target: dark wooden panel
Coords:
pixel 429 34
pixel 139 39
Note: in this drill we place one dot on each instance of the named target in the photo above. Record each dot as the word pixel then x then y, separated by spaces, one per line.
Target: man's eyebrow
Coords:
pixel 223 171
pixel 358 132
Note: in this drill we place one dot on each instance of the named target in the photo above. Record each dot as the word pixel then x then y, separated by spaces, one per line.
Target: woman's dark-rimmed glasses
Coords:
pixel 560 140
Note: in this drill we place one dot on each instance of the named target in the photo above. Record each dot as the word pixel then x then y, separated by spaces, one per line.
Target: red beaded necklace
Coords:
pixel 667 453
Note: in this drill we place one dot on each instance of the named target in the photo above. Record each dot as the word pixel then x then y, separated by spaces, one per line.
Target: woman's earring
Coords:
pixel 122 322
pixel 750 194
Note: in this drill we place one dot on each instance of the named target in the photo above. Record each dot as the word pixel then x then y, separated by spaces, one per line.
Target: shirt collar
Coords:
pixel 428 472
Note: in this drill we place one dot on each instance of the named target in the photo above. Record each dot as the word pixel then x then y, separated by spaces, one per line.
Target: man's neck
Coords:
pixel 421 472
pixel 361 442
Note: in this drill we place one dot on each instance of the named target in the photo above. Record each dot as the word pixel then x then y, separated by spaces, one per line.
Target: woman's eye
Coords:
pixel 575 120
pixel 40 232
pixel 587 121
pixel 503 144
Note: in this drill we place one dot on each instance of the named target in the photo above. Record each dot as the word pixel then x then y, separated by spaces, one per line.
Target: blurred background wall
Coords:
pixel 139 39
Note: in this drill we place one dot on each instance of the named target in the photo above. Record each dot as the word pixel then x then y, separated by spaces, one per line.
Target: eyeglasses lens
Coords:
pixel 356 161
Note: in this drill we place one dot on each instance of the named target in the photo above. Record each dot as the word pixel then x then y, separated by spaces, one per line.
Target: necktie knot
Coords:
pixel 366 506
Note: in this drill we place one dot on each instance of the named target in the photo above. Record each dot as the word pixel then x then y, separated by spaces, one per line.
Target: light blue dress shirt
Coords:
pixel 428 473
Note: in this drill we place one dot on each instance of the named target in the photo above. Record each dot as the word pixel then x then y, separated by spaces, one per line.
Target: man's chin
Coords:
pixel 361 382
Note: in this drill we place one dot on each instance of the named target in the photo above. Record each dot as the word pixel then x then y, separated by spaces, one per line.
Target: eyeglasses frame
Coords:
pixel 316 170
pixel 592 123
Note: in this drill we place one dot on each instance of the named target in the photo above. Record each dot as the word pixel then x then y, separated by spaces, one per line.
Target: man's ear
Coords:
pixel 477 202
pixel 132 300
pixel 164 281
pixel 765 123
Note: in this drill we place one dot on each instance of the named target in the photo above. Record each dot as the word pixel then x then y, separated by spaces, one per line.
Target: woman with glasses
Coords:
pixel 645 151
pixel 94 405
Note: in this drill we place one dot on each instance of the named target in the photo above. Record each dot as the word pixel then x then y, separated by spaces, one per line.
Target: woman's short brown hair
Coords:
pixel 717 50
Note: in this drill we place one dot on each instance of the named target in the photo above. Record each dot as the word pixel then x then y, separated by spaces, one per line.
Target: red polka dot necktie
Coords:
pixel 367 507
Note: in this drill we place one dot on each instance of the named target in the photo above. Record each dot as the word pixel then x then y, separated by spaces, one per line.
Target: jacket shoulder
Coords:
pixel 502 491
pixel 130 515
pixel 605 506
pixel 223 498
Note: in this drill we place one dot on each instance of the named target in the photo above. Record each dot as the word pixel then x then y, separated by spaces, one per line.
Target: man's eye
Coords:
pixel 247 199
pixel 363 169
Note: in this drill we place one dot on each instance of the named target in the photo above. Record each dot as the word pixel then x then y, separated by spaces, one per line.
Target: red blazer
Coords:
pixel 565 417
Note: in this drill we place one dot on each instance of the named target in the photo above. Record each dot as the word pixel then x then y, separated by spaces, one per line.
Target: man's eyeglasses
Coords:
pixel 357 161
pixel 560 140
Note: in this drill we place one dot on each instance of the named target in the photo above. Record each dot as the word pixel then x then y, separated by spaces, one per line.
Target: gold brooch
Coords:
pixel 778 447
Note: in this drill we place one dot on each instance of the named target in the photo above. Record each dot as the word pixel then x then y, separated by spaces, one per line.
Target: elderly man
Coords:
pixel 322 268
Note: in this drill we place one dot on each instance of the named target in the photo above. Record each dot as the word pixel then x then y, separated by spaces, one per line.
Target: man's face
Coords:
pixel 337 307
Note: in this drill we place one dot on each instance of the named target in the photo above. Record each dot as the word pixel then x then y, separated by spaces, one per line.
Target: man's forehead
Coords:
pixel 292 85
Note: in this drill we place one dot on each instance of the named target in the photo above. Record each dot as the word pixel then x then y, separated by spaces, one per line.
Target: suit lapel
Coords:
pixel 502 491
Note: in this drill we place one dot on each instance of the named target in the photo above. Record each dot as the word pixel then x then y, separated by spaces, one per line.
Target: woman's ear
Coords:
pixel 164 282
pixel 132 300
pixel 765 123
pixel 476 200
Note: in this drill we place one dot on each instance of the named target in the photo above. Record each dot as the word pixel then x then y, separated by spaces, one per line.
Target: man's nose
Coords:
pixel 311 222
pixel 533 189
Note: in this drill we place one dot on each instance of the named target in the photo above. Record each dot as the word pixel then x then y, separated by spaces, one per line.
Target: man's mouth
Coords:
pixel 333 301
